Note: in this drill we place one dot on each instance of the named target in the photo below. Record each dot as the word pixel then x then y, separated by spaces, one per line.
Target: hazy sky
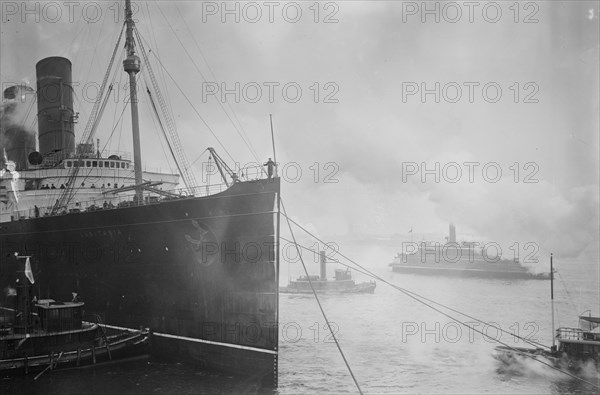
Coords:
pixel 512 96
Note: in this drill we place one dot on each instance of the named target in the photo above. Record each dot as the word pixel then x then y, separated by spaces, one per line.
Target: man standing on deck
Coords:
pixel 270 165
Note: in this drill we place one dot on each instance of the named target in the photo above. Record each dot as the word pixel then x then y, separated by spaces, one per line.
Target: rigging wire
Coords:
pixel 162 146
pixel 423 300
pixel 562 282
pixel 199 156
pixel 79 39
pixel 98 119
pixel 73 177
pixel 67 194
pixel 115 123
pixel 160 70
pixel 95 49
pixel 27 113
pixel 191 104
pixel 99 114
pixel 318 301
pixel 252 150
pixel 242 135
pixel 187 175
pixel 162 128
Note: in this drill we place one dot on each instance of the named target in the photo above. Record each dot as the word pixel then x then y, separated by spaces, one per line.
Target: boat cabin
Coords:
pixel 590 325
pixel 583 342
pixel 341 274
pixel 59 316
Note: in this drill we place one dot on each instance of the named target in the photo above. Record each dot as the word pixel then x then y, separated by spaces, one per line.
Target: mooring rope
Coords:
pixel 319 302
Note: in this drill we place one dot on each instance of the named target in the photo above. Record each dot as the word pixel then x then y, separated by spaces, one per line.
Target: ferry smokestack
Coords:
pixel 452 235
pixel 55 106
pixel 322 258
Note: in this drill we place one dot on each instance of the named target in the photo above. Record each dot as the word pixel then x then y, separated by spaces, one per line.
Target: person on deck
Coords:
pixel 270 165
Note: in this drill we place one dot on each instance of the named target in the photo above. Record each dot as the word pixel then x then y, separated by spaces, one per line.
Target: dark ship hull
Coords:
pixel 201 273
pixel 324 286
pixel 503 269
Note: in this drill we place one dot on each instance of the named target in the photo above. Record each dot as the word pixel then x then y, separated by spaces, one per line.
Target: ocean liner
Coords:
pixel 198 266
pixel 463 260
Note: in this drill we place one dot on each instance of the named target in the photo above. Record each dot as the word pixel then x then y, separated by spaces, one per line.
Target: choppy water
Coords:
pixel 394 344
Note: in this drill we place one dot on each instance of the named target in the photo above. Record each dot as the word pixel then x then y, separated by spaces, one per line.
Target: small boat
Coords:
pixel 47 334
pixel 582 343
pixel 342 283
pixel 576 346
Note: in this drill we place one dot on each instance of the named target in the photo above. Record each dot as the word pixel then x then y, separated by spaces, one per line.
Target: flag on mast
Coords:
pixel 28 272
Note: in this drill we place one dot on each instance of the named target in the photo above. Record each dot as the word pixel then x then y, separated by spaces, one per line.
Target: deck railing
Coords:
pixel 109 199
pixel 576 334
pixel 116 199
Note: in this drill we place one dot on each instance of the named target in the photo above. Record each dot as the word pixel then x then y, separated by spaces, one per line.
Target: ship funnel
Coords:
pixel 322 259
pixel 452 235
pixel 55 106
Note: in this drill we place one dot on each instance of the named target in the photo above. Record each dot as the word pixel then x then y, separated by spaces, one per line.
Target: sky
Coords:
pixel 411 115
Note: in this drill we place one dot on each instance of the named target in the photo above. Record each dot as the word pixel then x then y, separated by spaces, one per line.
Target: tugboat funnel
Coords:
pixel 452 235
pixel 322 259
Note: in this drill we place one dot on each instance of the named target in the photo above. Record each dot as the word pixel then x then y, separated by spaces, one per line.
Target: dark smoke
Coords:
pixel 16 137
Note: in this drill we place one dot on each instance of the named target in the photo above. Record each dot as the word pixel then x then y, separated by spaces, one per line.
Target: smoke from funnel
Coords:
pixel 15 140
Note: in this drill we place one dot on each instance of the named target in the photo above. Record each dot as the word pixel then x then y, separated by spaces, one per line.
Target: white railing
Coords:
pixel 113 199
pixel 576 334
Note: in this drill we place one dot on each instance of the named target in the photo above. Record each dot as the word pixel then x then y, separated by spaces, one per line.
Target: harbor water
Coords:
pixel 393 343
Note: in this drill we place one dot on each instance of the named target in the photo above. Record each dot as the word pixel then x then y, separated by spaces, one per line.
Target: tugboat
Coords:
pixel 575 345
pixel 43 334
pixel 342 283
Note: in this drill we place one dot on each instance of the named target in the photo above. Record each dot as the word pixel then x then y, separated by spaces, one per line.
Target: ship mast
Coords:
pixel 132 66
pixel 552 303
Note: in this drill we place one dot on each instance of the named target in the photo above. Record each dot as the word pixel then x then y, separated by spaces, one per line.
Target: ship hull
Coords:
pixel 200 273
pixel 335 287
pixel 467 272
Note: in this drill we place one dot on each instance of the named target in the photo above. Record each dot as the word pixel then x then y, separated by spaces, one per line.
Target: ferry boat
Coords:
pixel 464 259
pixel 141 251
pixel 342 282
pixel 46 334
